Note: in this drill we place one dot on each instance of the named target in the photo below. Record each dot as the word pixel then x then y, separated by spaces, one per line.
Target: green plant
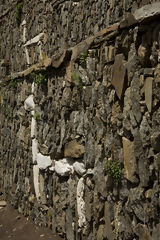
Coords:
pixel 13 82
pixel 19 7
pixel 114 169
pixel 83 58
pixel 41 62
pixel 40 141
pixel 43 56
pixel 50 214
pixel 76 78
pixel 2 108
pixel 7 110
pixel 40 78
pixel 36 116
pixel 1 98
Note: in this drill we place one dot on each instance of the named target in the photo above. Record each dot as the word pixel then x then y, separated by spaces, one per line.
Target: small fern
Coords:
pixel 114 169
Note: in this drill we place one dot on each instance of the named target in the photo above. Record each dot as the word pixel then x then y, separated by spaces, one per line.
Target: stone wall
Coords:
pixel 79 118
pixel 63 23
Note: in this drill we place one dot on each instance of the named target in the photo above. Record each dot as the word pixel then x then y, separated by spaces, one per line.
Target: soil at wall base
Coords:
pixel 16 227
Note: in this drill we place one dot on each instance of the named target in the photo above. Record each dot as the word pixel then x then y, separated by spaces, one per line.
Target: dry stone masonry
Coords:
pixel 80 116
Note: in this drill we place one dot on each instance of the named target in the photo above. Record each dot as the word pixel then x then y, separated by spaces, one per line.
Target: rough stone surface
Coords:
pixel 79 168
pixel 83 90
pixel 129 159
pixel 148 11
pixel 148 93
pixel 73 150
pixel 81 204
pixel 3 203
pixel 119 75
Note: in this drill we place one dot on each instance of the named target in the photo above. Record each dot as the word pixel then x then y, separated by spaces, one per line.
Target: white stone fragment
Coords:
pixel 79 168
pixel 24 22
pixel 43 161
pixel 63 167
pixel 29 103
pixel 33 127
pixel 52 169
pixel 34 150
pixel 36 181
pixel 80 203
pixel 24 30
pixel 33 85
pixel 24 40
pixel 40 49
pixel 32 113
pixel 90 171
pixel 21 133
pixel 36 39
pixel 27 56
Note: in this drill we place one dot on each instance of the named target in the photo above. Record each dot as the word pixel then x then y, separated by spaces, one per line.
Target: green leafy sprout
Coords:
pixel 114 169
pixel 43 56
pixel 83 58
pixel 77 80
pixel 40 141
pixel 43 59
pixel 39 78
pixel 13 82
pixel 7 110
pixel 19 7
pixel 36 116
